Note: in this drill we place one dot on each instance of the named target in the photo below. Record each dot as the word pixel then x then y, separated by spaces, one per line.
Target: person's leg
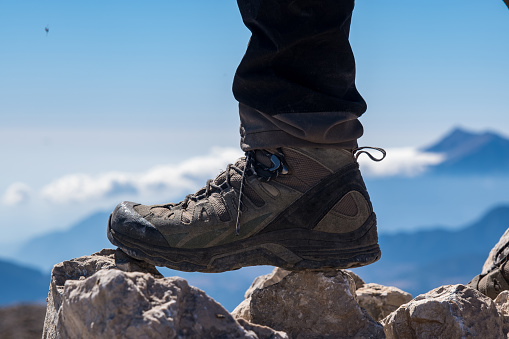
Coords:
pixel 296 82
pixel 297 200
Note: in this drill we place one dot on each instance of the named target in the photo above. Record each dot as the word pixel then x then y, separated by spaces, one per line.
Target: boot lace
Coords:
pixel 251 167
pixel 360 150
pixel 213 185
pixel 264 173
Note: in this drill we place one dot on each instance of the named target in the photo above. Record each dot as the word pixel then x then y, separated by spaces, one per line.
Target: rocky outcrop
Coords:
pixel 308 305
pixel 381 300
pixel 22 321
pixel 502 303
pixel 108 295
pixel 452 311
pixel 358 280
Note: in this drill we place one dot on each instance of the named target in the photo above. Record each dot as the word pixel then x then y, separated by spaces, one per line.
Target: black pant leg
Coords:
pixel 296 82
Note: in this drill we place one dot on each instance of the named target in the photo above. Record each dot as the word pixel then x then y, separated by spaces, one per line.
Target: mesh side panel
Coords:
pixel 253 196
pixel 235 181
pixel 304 172
pixel 292 181
pixel 305 168
pixel 347 206
pixel 220 207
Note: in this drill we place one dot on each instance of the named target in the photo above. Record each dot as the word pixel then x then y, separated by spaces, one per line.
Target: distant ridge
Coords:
pixel 420 261
pixel 85 237
pixel 472 153
pixel 22 284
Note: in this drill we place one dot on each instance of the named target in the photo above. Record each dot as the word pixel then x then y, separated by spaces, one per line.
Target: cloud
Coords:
pixel 400 161
pixel 174 179
pixel 82 187
pixel 17 193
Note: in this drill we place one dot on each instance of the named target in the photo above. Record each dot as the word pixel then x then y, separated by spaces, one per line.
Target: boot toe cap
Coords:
pixel 126 222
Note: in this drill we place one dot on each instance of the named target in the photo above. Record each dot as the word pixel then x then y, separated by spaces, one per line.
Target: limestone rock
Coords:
pixel 502 303
pixel 451 311
pixel 80 269
pixel 309 305
pixel 243 309
pixel 22 321
pixel 90 297
pixel 501 250
pixel 381 300
pixel 266 280
pixel 358 280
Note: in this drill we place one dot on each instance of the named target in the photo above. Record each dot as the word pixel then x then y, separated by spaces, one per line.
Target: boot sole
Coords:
pixel 294 249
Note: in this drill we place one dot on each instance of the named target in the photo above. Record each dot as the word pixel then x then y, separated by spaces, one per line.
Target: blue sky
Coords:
pixel 126 86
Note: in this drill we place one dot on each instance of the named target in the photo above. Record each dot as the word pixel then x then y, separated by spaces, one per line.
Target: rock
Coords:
pixel 451 311
pixel 91 297
pixel 266 280
pixel 243 309
pixel 501 250
pixel 80 269
pixel 502 303
pixel 358 280
pixel 22 321
pixel 381 300
pixel 136 305
pixel 308 305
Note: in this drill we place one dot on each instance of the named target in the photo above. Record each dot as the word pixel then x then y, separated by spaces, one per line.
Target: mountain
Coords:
pixel 473 178
pixel 22 284
pixel 417 262
pixel 484 153
pixel 86 237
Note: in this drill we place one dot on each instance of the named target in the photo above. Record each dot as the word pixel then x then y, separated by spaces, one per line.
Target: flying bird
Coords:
pixel 46 29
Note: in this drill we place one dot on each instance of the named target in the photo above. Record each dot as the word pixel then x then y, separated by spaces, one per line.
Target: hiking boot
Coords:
pixel 495 275
pixel 293 208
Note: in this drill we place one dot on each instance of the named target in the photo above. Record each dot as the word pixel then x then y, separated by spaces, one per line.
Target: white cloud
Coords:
pixel 400 161
pixel 177 179
pixel 16 194
pixel 174 178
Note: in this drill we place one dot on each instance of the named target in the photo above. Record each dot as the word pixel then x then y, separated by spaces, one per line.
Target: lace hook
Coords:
pixel 357 153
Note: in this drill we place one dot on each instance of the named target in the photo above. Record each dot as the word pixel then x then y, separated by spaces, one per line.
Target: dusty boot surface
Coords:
pixel 296 208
